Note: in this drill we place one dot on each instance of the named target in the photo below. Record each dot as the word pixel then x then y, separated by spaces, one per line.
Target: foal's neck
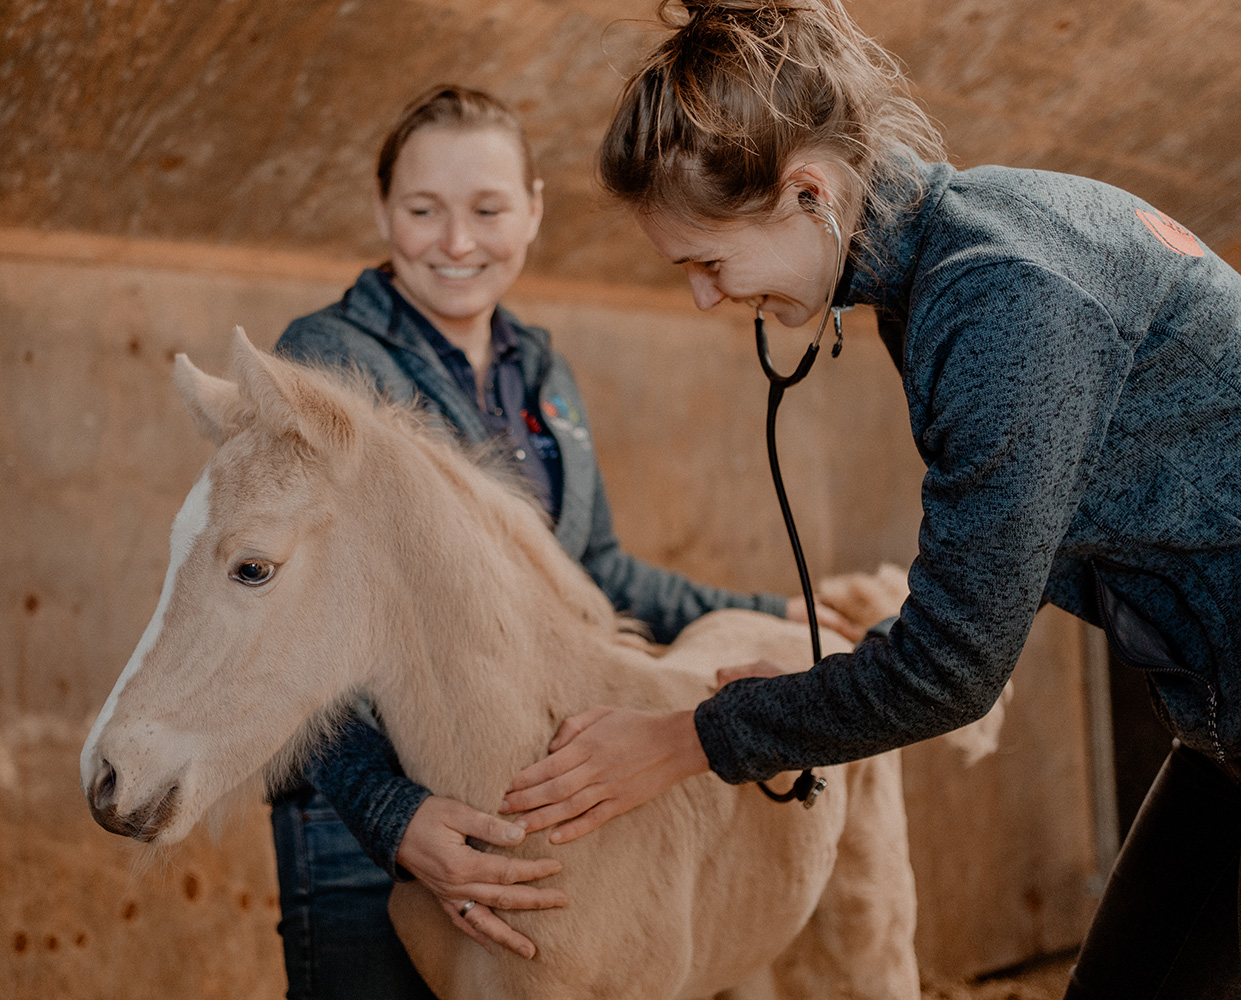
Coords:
pixel 496 635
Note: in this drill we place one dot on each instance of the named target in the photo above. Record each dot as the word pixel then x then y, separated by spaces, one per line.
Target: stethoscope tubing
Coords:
pixel 807 787
pixel 775 394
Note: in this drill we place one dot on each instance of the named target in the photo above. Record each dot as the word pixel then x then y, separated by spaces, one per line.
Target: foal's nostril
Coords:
pixel 104 789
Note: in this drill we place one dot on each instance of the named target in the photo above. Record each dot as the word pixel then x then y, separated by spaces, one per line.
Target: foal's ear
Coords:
pixel 214 404
pixel 287 400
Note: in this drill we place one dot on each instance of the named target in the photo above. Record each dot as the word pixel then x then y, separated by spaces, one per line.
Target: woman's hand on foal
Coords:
pixel 435 851
pixel 828 617
pixel 859 600
pixel 602 763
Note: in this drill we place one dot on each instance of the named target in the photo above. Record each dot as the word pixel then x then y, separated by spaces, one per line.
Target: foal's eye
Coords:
pixel 253 572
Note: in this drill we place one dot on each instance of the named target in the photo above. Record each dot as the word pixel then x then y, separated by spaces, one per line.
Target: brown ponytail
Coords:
pixel 709 123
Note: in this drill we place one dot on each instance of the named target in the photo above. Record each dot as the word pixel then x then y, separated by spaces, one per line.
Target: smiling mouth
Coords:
pixel 758 302
pixel 458 272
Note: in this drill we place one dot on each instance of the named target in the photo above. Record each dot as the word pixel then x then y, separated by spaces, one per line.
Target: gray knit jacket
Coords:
pixel 1071 360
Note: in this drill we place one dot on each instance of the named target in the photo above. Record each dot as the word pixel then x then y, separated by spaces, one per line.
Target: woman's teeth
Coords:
pixel 458 272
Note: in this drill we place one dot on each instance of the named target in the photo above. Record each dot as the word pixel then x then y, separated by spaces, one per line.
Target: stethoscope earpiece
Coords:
pixel 810 204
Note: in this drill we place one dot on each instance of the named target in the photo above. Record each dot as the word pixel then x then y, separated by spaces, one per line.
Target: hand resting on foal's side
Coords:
pixel 435 851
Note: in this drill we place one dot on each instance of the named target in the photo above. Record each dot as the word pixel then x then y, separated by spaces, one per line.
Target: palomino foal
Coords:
pixel 332 547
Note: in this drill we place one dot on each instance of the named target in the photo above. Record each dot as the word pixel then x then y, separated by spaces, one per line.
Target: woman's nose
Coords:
pixel 706 294
pixel 458 239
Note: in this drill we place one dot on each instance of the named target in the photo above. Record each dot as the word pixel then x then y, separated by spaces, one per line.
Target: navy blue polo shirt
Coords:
pixel 509 411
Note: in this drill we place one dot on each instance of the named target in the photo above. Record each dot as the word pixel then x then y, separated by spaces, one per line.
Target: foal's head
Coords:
pixel 260 599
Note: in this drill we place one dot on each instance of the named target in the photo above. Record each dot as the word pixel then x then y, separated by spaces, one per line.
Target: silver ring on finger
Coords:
pixel 467 908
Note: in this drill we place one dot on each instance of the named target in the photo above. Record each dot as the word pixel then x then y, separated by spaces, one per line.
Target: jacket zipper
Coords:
pixel 1212 703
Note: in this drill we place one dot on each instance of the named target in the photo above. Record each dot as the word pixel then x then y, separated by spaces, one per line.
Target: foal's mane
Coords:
pixel 504 497
pixel 354 389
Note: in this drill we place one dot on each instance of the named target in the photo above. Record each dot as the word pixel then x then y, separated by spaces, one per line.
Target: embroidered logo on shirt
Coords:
pixel 557 407
pixel 566 419
pixel 1171 233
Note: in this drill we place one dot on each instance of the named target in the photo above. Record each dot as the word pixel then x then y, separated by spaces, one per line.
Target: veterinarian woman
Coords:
pixel 458 202
pixel 1071 358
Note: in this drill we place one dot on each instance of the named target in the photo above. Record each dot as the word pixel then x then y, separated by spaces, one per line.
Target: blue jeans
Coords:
pixel 1167 927
pixel 338 941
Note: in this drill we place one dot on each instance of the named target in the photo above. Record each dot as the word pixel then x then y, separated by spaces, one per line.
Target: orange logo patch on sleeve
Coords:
pixel 1171 233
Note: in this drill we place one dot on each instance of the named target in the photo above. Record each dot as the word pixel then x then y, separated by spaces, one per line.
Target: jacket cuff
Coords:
pixel 358 773
pixel 881 629
pixel 721 756
pixel 387 820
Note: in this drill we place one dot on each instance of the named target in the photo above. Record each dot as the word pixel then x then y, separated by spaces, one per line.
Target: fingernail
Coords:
pixel 504 806
pixel 514 833
pixel 554 837
pixel 523 823
pixel 527 953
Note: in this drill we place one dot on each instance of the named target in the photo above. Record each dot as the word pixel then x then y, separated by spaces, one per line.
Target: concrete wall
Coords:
pixel 96 456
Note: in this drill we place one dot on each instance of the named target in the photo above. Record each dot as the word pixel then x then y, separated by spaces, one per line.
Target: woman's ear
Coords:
pixel 810 185
pixel 379 205
pixel 822 182
pixel 536 209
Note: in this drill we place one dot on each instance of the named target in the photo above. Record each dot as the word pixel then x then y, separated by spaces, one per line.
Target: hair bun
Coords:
pixel 698 7
pixel 696 10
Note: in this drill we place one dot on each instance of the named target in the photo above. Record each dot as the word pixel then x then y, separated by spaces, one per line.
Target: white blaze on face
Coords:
pixel 188 525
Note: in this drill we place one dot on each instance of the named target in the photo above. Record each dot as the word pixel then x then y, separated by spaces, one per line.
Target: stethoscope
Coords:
pixel 807 786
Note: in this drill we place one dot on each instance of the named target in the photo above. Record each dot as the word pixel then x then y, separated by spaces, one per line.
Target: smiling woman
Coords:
pixel 458 215
pixel 771 265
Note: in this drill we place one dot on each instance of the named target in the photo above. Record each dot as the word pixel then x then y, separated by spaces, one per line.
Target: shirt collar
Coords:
pixel 504 342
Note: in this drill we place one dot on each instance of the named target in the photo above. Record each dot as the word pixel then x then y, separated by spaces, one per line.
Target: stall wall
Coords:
pixel 96 456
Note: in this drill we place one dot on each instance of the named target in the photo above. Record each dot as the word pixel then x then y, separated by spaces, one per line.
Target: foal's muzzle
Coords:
pixel 144 822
